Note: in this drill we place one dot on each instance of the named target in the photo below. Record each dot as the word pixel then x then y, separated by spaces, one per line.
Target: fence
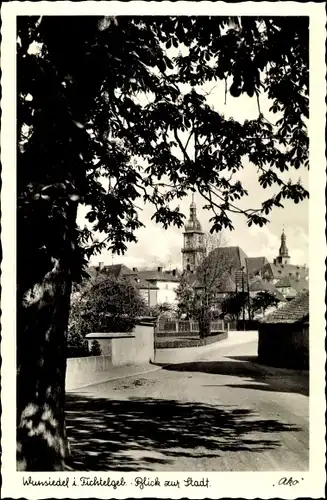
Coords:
pixel 168 328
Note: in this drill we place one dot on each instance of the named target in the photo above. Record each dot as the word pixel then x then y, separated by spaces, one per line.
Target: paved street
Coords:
pixel 220 412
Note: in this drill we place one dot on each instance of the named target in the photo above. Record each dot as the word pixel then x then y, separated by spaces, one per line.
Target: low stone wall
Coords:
pixel 82 371
pixel 183 354
pixel 117 349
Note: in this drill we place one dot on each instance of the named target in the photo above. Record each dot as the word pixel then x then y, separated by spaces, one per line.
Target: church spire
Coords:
pixel 283 256
pixel 193 240
pixel 283 250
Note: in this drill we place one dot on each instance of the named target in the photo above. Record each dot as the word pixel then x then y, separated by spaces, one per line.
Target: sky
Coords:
pixel 159 247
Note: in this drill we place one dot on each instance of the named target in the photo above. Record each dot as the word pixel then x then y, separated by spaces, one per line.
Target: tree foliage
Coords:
pixel 109 305
pixel 233 304
pixel 185 298
pixel 95 348
pixel 161 309
pixel 263 300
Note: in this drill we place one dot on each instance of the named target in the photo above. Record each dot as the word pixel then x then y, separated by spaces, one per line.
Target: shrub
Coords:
pixel 107 305
pixel 95 348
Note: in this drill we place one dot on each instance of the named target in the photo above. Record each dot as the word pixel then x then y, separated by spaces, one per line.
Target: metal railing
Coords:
pixel 187 326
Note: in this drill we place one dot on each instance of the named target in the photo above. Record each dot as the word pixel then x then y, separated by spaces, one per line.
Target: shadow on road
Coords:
pixel 138 434
pixel 255 377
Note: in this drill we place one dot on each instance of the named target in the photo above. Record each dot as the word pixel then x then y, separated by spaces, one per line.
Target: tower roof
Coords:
pixel 283 250
pixel 193 224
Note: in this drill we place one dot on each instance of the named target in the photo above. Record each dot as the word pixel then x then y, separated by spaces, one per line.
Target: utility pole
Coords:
pixel 248 297
pixel 243 301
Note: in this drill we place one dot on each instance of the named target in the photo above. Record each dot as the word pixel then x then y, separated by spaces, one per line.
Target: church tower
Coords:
pixel 283 257
pixel 193 246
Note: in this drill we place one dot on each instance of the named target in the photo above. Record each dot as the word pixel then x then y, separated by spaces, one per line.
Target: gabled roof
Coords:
pixel 117 270
pixel 255 264
pixel 232 257
pixel 258 285
pixel 295 311
pixel 155 275
pixel 278 271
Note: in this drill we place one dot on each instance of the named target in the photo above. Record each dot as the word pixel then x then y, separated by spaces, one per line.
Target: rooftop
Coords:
pixel 232 257
pixel 295 311
pixel 281 270
pixel 158 275
pixel 255 264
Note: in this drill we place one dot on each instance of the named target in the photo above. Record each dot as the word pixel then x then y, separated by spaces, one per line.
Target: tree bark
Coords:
pixel 43 299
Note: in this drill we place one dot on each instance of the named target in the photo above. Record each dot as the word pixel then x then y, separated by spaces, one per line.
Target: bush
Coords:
pixel 107 305
pixel 77 346
pixel 95 348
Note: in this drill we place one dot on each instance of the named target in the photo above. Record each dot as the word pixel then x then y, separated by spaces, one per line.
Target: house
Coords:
pixel 165 283
pixel 275 272
pixel 289 286
pixel 258 285
pixel 147 289
pixel 284 335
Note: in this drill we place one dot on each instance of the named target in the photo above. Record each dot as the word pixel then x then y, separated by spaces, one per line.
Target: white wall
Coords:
pixel 166 292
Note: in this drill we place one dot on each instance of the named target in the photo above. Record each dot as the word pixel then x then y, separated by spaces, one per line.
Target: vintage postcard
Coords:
pixel 163 236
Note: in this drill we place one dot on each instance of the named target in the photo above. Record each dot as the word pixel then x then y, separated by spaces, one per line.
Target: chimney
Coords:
pixel 135 269
pixel 159 269
pixel 174 272
pixel 100 266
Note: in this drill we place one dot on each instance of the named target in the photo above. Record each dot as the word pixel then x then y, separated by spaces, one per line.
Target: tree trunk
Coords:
pixel 43 299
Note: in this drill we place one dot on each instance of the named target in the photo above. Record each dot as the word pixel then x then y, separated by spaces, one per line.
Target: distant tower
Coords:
pixel 283 257
pixel 193 248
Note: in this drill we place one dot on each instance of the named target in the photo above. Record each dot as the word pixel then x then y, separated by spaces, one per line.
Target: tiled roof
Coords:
pixel 297 310
pixel 259 285
pixel 255 264
pixel 225 285
pixel 232 257
pixel 120 270
pixel 92 271
pixel 117 270
pixel 277 271
pixel 300 285
pixel 143 284
pixel 156 275
pixel 284 283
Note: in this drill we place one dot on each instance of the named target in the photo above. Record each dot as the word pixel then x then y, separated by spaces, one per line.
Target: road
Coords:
pixel 220 412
